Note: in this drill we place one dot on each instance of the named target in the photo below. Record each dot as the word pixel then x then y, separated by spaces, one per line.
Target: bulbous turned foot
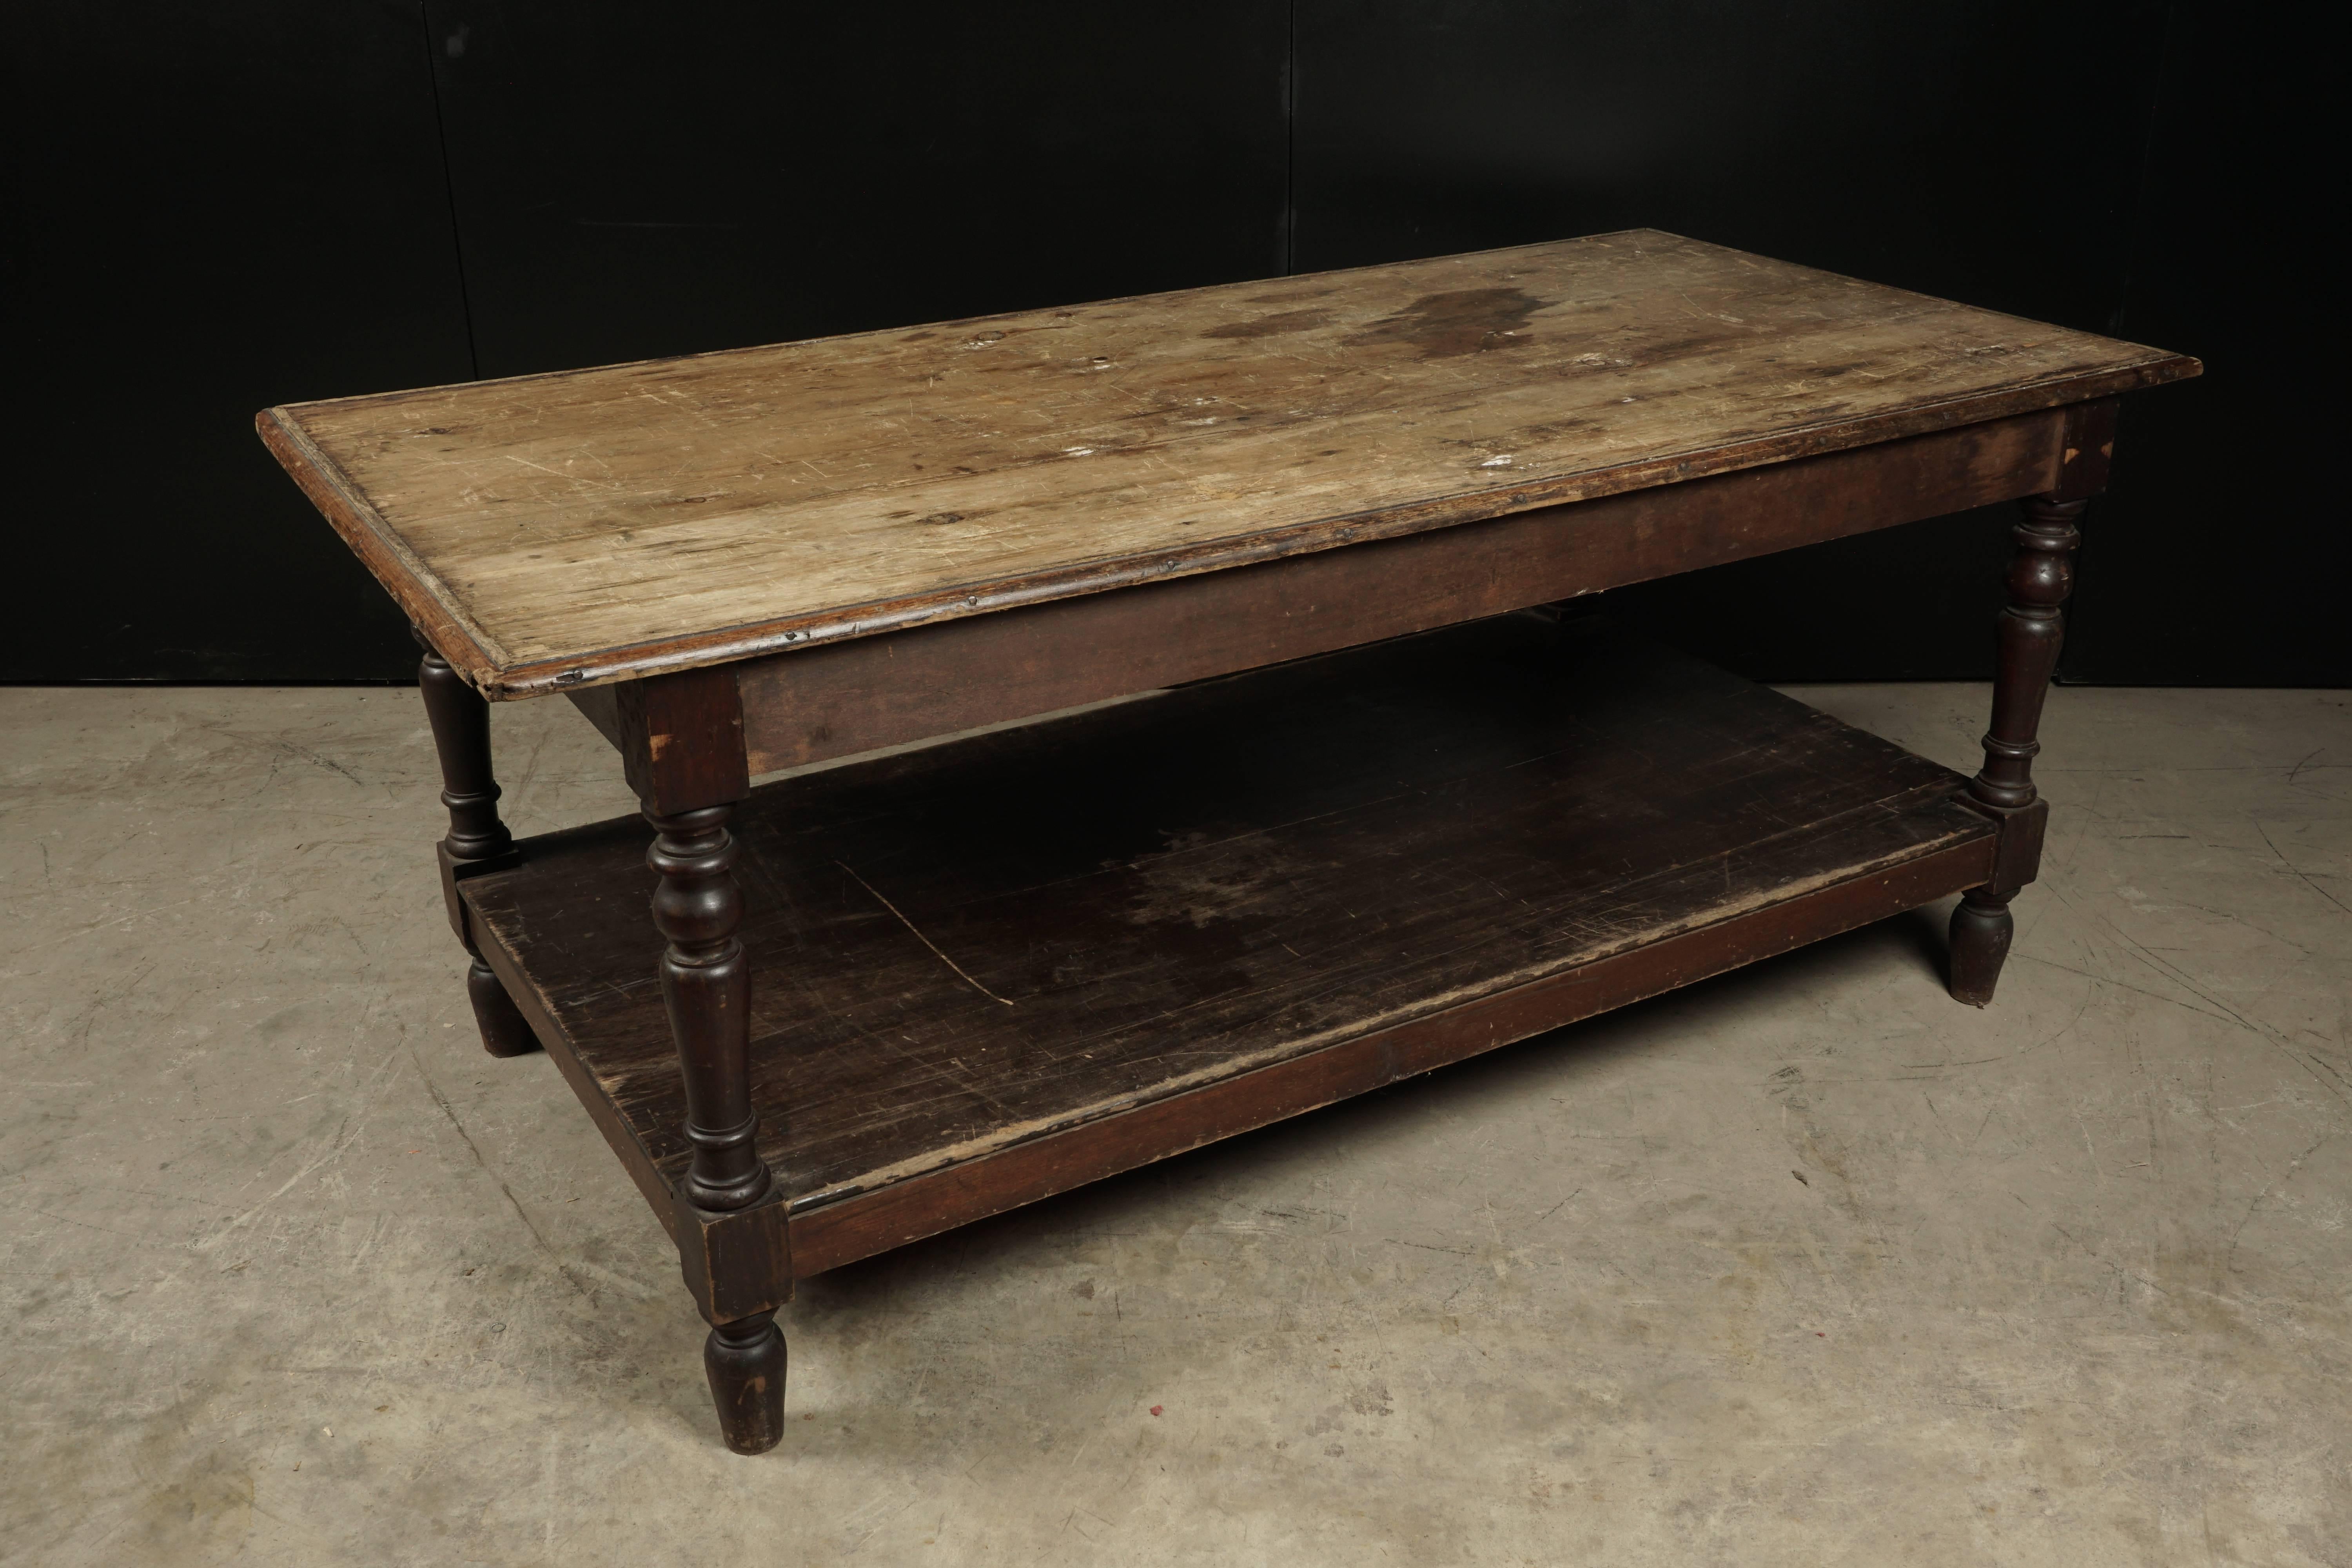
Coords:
pixel 505 1031
pixel 745 1361
pixel 1981 927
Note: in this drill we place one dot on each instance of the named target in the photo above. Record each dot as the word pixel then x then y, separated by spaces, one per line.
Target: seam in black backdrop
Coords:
pixel 429 43
pixel 274 201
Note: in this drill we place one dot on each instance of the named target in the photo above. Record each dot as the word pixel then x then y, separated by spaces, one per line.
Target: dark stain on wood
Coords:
pixel 1457 321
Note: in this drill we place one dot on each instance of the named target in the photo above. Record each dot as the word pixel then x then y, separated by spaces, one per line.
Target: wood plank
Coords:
pixel 569 530
pixel 963 949
pixel 839 699
pixel 830 1234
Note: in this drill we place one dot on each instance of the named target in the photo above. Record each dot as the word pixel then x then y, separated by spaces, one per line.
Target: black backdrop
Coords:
pixel 279 200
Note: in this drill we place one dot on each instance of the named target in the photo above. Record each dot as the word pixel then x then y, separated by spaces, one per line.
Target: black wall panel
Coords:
pixel 631 184
pixel 2224 555
pixel 210 209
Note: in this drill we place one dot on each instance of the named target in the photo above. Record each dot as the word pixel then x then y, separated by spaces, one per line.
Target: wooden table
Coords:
pixel 989 970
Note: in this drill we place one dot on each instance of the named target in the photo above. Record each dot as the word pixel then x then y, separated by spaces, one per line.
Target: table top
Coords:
pixel 563 530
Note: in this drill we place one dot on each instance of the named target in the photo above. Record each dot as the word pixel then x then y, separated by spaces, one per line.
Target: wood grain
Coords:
pixel 960 951
pixel 563 531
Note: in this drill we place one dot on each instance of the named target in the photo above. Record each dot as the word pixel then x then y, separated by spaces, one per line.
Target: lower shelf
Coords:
pixel 999 968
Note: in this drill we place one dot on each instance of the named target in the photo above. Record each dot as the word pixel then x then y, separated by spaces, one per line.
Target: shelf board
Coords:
pixel 996 968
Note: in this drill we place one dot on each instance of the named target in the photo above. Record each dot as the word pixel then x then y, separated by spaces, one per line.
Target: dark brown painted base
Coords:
pixel 1981 927
pixel 505 1032
pixel 745 1361
pixel 1651 820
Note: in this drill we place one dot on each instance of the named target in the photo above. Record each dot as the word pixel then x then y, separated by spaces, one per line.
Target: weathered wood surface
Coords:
pixel 960 951
pixel 563 530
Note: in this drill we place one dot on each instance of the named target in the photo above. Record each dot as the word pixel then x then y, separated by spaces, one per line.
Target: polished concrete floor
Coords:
pixel 1807 1265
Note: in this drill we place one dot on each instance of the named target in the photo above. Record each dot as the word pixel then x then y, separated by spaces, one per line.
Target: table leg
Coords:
pixel 461 733
pixel 2033 627
pixel 706 983
pixel 745 1362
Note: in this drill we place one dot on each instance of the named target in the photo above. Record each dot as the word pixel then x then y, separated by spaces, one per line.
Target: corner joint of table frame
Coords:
pixel 681 738
pixel 737 1263
pixel 2017 852
pixel 2086 451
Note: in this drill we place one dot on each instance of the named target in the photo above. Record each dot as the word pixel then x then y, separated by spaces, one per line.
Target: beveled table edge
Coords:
pixel 479 659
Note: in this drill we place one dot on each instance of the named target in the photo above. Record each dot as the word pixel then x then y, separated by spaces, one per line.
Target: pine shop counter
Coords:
pixel 1365 820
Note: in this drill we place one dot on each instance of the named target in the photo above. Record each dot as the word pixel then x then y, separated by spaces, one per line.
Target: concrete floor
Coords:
pixel 1807 1265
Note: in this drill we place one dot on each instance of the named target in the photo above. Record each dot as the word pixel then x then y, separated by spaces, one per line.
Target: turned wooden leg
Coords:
pixel 745 1361
pixel 681 740
pixel 706 983
pixel 2033 627
pixel 461 733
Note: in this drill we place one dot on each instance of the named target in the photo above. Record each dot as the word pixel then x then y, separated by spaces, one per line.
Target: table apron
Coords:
pixel 843 699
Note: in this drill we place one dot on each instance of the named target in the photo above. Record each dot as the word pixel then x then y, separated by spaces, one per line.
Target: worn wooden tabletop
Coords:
pixel 558 531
